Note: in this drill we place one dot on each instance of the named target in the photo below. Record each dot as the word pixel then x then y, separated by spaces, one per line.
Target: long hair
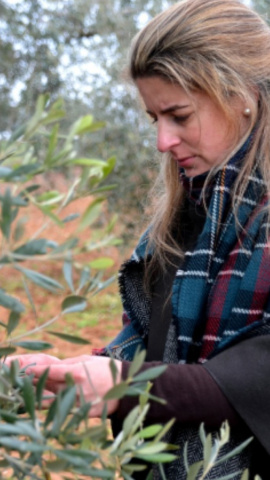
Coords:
pixel 222 48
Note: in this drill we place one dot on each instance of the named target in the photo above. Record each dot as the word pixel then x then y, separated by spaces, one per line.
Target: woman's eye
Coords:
pixel 181 119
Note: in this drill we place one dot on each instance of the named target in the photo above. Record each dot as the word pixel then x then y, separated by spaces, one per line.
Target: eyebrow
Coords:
pixel 169 109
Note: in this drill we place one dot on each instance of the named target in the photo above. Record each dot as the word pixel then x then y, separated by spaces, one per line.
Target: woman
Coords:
pixel 196 290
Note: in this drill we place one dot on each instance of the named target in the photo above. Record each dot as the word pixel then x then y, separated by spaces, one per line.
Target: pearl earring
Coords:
pixel 247 112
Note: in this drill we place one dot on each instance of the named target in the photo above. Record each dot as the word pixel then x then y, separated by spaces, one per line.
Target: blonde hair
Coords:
pixel 222 48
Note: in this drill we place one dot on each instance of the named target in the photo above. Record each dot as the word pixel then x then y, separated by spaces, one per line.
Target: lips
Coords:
pixel 185 162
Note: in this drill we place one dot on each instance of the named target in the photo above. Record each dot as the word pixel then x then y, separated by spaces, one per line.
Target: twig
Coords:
pixel 36 329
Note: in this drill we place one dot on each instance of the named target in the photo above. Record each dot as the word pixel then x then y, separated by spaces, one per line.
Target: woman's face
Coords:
pixel 191 127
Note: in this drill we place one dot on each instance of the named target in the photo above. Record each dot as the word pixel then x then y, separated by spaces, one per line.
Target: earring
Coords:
pixel 247 112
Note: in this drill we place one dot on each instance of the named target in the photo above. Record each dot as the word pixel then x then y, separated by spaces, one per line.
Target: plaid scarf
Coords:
pixel 221 291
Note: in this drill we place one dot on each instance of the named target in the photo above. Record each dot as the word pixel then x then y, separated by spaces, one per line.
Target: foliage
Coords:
pixel 64 439
pixel 211 455
pixel 33 444
pixel 78 49
pixel 32 151
pixel 263 7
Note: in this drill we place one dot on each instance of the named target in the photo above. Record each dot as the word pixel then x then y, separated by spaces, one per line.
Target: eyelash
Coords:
pixel 182 119
pixel 176 119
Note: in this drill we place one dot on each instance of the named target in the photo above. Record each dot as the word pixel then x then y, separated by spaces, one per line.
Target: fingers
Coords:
pixel 57 372
pixel 51 388
pixel 32 358
pixel 43 359
pixel 55 380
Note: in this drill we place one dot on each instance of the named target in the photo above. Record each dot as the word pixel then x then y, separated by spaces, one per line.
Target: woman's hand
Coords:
pixel 91 374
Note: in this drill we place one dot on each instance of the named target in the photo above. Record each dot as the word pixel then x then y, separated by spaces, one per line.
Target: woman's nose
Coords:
pixel 166 139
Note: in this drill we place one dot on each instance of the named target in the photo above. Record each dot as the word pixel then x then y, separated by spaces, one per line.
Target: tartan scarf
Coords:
pixel 220 293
